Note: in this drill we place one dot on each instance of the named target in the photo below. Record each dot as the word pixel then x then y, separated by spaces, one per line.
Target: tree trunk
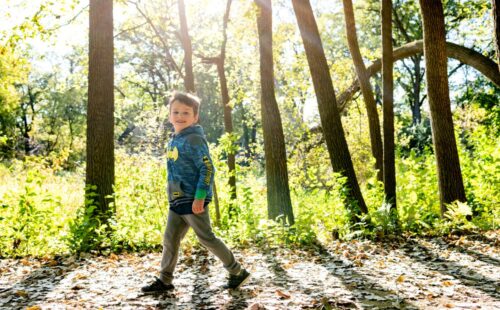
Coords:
pixel 26 134
pixel 330 118
pixel 415 107
pixel 366 88
pixel 188 49
pixel 451 186
pixel 495 8
pixel 100 119
pixel 219 61
pixel 463 54
pixel 278 192
pixel 228 119
pixel 228 126
pixel 388 104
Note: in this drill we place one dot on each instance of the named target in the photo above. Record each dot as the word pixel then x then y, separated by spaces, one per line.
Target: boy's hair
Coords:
pixel 187 99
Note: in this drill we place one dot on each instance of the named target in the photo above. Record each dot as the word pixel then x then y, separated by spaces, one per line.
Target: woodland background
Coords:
pixel 51 202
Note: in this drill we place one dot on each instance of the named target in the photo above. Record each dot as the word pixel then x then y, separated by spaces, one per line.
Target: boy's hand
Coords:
pixel 198 206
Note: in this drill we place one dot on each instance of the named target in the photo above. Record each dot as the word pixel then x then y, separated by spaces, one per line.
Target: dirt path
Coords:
pixel 455 273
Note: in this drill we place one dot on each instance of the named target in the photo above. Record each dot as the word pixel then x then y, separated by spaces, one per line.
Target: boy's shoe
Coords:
pixel 236 281
pixel 157 287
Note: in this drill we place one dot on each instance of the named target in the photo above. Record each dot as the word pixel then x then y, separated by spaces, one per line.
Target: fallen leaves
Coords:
pixel 80 276
pixel 21 293
pixel 113 257
pixel 400 279
pixel 342 275
pixel 282 295
pixel 257 306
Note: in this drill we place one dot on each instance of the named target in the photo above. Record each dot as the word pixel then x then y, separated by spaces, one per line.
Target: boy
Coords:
pixel 190 179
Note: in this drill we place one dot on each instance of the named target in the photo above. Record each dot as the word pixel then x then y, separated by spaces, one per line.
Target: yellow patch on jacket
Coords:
pixel 173 153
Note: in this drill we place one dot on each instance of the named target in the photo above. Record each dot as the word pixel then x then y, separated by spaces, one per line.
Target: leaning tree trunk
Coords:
pixel 463 54
pixel 495 8
pixel 451 186
pixel 388 104
pixel 100 119
pixel 188 49
pixel 330 118
pixel 278 192
pixel 366 88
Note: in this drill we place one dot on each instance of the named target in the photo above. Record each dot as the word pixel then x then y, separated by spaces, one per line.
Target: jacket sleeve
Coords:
pixel 203 163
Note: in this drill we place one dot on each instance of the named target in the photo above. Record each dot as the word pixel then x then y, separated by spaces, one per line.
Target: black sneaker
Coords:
pixel 235 281
pixel 157 287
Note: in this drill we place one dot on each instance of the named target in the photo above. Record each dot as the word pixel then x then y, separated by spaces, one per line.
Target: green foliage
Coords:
pixel 416 138
pixel 455 218
pixel 386 216
pixel 90 230
pixel 13 70
pixel 141 201
pixel 34 216
pixel 417 192
pixel 37 220
pixel 479 153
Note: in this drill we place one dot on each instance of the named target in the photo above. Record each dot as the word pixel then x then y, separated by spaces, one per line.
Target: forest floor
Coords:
pixel 415 273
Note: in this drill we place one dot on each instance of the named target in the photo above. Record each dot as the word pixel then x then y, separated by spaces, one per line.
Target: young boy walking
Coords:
pixel 190 179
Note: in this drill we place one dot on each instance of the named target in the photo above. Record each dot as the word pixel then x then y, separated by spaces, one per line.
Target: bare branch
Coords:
pixel 160 37
pixel 129 29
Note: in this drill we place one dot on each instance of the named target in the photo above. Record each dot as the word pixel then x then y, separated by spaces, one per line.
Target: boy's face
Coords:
pixel 181 116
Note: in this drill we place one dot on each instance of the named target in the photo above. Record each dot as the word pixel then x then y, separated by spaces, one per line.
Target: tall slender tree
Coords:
pixel 366 88
pixel 278 192
pixel 495 8
pixel 451 186
pixel 388 104
pixel 220 61
pixel 188 49
pixel 100 171
pixel 330 118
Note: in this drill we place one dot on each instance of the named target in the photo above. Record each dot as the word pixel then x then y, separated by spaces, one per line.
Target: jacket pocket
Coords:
pixel 175 190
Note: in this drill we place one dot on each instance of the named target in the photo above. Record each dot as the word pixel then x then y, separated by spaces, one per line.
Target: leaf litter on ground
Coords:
pixel 416 273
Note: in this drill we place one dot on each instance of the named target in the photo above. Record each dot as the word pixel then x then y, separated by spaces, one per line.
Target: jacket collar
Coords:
pixel 195 129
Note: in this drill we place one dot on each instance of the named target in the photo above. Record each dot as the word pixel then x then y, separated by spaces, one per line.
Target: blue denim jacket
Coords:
pixel 189 166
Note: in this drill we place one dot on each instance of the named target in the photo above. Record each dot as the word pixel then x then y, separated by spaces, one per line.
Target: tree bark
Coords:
pixel 463 54
pixel 278 192
pixel 366 88
pixel 388 104
pixel 495 8
pixel 415 107
pixel 100 119
pixel 188 49
pixel 330 118
pixel 451 186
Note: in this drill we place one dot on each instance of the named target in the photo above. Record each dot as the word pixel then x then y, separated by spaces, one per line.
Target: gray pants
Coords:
pixel 177 227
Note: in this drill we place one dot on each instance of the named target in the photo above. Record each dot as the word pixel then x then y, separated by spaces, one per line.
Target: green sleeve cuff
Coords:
pixel 200 194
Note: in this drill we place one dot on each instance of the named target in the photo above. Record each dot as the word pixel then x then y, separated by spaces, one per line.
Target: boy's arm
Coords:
pixel 203 163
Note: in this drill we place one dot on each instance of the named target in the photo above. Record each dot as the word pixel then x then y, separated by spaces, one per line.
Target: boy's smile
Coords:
pixel 181 116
